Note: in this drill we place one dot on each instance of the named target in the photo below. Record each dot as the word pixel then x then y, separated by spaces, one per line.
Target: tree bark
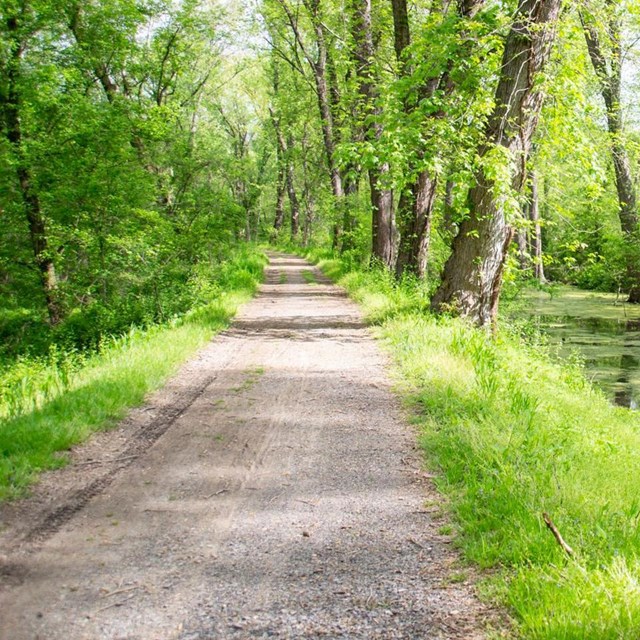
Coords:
pixel 280 195
pixel 383 214
pixel 416 200
pixel 401 30
pixel 291 191
pixel 609 72
pixel 449 226
pixel 522 238
pixel 415 208
pixel 472 276
pixel 350 179
pixel 414 212
pixel 307 192
pixel 536 236
pixel 11 105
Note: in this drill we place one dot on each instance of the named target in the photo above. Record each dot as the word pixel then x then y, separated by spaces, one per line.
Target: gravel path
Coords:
pixel 271 490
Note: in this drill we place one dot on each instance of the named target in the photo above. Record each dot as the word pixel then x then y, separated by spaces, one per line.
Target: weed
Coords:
pixel 309 276
pixel 457 578
pixel 253 375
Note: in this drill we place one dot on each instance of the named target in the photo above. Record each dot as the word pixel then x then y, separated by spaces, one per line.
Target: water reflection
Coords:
pixel 609 346
pixel 629 362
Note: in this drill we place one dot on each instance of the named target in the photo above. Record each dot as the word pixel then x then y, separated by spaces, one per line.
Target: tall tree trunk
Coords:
pixel 320 75
pixel 609 72
pixel 307 192
pixel 417 199
pixel 522 238
pixel 11 105
pixel 291 191
pixel 472 276
pixel 349 220
pixel 280 195
pixel 278 220
pixel 383 215
pixel 286 178
pixel 449 226
pixel 319 65
pixel 415 213
pixel 415 208
pixel 536 235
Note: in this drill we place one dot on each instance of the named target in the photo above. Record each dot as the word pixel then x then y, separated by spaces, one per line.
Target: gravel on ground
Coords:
pixel 273 489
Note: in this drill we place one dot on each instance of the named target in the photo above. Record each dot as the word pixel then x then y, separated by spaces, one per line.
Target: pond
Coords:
pixel 603 330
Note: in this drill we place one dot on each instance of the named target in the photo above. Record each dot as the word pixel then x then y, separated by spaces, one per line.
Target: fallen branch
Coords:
pixel 556 534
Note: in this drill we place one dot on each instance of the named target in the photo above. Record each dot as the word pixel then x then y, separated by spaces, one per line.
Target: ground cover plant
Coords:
pixel 514 435
pixel 49 404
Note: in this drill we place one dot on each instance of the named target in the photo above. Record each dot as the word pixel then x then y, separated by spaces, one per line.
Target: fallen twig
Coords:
pixel 556 534
pixel 416 543
pixel 119 603
pixel 124 590
pixel 216 493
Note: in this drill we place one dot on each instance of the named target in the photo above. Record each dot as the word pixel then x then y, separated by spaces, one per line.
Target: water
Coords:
pixel 601 329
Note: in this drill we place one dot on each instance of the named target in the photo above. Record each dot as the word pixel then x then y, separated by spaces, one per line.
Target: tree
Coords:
pixel 20 26
pixel 113 159
pixel 418 197
pixel 606 59
pixel 319 64
pixel 383 215
pixel 472 276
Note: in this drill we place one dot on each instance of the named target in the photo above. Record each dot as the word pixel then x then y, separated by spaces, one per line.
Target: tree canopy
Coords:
pixel 142 138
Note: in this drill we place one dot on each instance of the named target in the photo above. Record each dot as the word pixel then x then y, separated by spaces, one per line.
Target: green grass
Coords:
pixel 513 434
pixel 252 377
pixel 55 408
pixel 309 276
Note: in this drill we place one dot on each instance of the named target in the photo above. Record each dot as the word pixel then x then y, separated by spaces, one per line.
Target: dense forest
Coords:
pixel 462 150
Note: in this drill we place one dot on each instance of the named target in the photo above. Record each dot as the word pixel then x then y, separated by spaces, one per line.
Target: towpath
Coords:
pixel 271 490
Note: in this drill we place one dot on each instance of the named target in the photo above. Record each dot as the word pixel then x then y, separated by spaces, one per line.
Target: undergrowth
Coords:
pixel 50 403
pixel 513 435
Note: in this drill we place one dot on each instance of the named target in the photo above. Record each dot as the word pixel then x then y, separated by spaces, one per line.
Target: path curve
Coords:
pixel 271 490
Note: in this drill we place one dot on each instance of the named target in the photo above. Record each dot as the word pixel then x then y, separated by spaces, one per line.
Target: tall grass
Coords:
pixel 49 404
pixel 514 435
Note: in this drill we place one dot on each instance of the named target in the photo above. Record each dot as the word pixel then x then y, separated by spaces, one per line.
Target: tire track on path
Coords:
pixel 273 490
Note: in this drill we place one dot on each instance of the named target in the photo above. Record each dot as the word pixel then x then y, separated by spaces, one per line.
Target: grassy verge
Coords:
pixel 50 406
pixel 514 435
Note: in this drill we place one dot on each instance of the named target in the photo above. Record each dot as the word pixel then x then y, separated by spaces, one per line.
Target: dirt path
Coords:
pixel 271 490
